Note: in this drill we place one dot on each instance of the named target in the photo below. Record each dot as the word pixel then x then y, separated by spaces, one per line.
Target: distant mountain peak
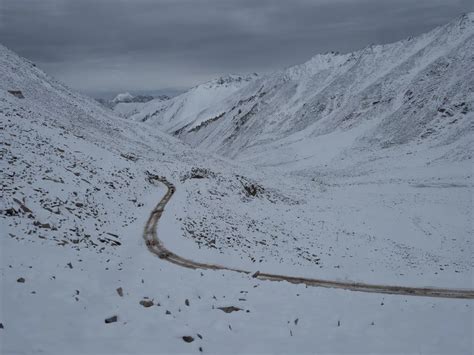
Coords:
pixel 123 97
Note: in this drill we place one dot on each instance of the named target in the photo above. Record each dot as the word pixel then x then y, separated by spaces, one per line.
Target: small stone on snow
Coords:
pixel 112 319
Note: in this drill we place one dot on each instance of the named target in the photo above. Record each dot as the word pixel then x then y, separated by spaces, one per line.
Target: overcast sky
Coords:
pixel 105 46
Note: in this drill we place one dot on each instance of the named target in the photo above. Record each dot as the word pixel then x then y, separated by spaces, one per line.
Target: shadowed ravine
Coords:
pixel 155 246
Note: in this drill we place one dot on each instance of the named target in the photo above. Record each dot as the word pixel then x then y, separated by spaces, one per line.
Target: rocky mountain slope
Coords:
pixel 417 92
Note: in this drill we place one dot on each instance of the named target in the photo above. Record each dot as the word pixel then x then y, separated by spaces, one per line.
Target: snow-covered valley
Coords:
pixel 329 170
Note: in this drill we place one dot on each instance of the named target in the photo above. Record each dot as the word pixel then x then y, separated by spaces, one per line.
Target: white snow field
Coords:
pixel 350 167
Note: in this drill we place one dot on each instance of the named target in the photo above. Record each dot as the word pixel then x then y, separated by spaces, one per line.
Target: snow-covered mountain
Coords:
pixel 136 104
pixel 337 203
pixel 194 106
pixel 126 104
pixel 123 97
pixel 416 92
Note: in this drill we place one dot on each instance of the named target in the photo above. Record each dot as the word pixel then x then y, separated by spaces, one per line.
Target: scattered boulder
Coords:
pixel 146 303
pixel 10 212
pixel 198 173
pixel 229 309
pixel 112 319
pixel 186 302
pixel 188 339
pixel 129 156
pixel 21 280
pixel 120 291
pixel 256 274
pixel 23 206
pixel 251 189
pixel 42 225
pixel 17 93
pixel 1 326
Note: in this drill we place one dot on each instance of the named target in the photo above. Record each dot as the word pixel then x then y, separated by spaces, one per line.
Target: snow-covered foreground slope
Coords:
pixel 76 196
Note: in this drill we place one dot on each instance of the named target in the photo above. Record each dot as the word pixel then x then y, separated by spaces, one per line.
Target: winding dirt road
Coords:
pixel 156 246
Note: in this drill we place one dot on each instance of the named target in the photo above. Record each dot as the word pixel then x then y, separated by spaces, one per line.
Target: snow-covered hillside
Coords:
pixel 126 104
pixel 79 184
pixel 417 92
pixel 199 104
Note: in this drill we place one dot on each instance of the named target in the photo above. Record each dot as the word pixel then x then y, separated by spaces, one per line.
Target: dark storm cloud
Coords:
pixel 113 45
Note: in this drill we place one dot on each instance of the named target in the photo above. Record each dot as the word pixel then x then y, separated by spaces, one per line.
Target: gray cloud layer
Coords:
pixel 101 46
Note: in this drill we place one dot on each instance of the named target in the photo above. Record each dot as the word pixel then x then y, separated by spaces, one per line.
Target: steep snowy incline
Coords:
pixel 416 93
pixel 190 108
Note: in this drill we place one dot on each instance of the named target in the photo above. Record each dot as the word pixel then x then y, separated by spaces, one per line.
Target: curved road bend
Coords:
pixel 156 246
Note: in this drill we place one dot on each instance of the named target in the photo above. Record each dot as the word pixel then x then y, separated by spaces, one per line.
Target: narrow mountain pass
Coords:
pixel 155 246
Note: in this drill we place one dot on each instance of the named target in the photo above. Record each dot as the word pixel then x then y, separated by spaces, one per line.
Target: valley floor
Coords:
pixel 61 309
